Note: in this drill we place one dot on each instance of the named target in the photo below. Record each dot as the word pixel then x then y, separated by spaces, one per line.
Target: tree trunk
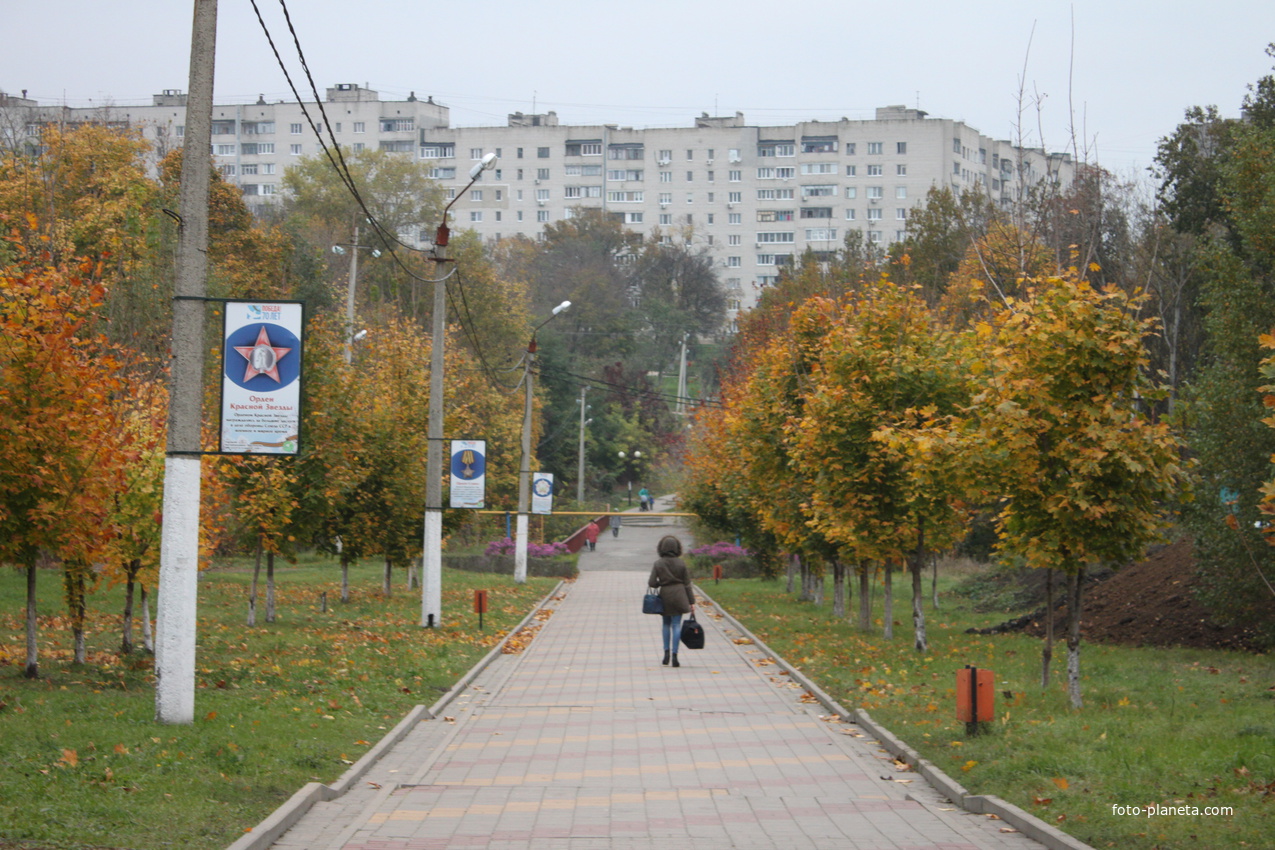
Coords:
pixel 865 601
pixel 817 584
pixel 792 568
pixel 345 579
pixel 805 579
pixel 934 581
pixel 1075 588
pixel 33 656
pixel 888 601
pixel 252 593
pixel 148 642
pixel 411 573
pixel 270 587
pixel 1047 651
pixel 838 589
pixel 126 638
pixel 75 601
pixel 386 587
pixel 918 591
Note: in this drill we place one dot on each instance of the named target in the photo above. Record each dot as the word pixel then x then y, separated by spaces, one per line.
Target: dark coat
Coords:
pixel 673 579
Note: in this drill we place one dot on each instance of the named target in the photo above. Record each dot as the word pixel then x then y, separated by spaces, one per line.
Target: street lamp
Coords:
pixel 432 549
pixel 637 456
pixel 524 468
pixel 584 411
pixel 339 250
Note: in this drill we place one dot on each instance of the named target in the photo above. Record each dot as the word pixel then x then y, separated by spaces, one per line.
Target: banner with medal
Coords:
pixel 261 377
pixel 469 473
pixel 542 492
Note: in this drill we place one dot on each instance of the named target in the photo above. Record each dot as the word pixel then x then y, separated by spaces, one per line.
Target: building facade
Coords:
pixel 754 196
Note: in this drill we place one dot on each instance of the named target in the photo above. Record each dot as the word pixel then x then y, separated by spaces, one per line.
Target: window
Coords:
pixel 338 127
pixel 542 153
pixel 476 195
pixel 821 191
pixel 710 177
pixel 360 126
pixel 734 239
pixel 850 147
pixel 818 168
pixel 875 148
pixel 626 152
pixel 269 188
pixel 225 150
pixel 447 173
pixel 294 129
pixel 475 215
pixel 785 173
pixel 901 214
pixel 229 170
pixel 666 218
pixel 542 174
pixel 876 170
pixel 874 236
pixel 849 215
pixel 358 147
pixel 850 171
pixel 875 192
pixel 735 218
pixel 818 144
pixel 821 234
pixel 223 128
pixel 852 192
pixel 666 177
pixel 690 177
pixel 734 262
pixel 250 188
pixel 584 148
pixel 625 197
pixel 666 198
pixel 774 194
pixel 254 148
pixel 633 218
pixel 542 195
pixel 816 212
pixel 956 145
pixel 901 148
pixel 690 197
pixel 735 175
pixel 710 200
pixel 570 192
pixel 900 192
pixel 956 168
pixel 542 216
pixel 624 174
pixel 765 174
pixel 438 150
pixel 776 237
pixel 874 214
pixel 396 145
pixel 733 155
pixel 776 149
pixel 399 125
pixel 267 168
pixel 710 154
pixel 901 170
pixel 734 197
pixel 666 156
pixel 774 215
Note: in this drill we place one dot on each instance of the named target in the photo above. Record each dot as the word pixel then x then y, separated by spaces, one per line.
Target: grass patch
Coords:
pixel 84 764
pixel 1171 727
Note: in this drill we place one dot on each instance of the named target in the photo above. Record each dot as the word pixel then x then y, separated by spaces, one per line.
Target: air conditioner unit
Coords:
pixel 663 204
pixel 537 181
pixel 731 205
pixel 665 161
pixel 710 162
pixel 540 203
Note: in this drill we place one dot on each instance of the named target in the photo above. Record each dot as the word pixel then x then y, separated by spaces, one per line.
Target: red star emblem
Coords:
pixel 263 358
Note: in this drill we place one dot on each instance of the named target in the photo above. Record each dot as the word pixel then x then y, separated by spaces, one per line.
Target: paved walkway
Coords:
pixel 585 741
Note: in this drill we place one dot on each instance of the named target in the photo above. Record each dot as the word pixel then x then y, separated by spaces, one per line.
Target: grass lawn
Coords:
pixel 1169 727
pixel 84 764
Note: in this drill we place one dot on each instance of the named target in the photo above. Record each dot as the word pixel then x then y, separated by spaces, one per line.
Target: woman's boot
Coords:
pixel 675 664
pixel 665 662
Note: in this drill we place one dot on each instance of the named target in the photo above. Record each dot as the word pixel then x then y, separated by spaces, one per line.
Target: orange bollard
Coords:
pixel 717 573
pixel 975 697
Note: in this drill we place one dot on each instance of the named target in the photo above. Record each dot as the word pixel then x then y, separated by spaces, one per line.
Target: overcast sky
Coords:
pixel 1126 69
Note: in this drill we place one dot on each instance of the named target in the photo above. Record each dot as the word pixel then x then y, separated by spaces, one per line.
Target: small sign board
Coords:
pixel 542 492
pixel 261 377
pixel 469 474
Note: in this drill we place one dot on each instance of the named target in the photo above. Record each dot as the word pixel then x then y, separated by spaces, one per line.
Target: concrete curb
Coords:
pixel 286 816
pixel 981 804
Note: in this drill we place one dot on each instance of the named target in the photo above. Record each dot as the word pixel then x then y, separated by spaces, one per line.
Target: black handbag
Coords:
pixel 652 603
pixel 692 633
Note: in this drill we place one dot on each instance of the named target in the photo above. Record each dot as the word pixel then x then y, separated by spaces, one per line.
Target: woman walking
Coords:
pixel 673 579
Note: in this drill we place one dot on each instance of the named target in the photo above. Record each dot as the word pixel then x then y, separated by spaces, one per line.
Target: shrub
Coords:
pixel 534 550
pixel 721 549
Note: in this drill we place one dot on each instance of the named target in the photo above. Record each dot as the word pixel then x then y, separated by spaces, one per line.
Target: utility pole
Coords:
pixel 524 470
pixel 580 466
pixel 681 380
pixel 349 299
pixel 432 553
pixel 179 541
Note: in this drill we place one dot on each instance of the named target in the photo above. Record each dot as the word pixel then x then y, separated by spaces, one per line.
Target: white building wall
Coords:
pixel 754 196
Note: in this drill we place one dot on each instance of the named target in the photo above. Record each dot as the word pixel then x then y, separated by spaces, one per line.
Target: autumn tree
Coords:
pixel 63 451
pixel 1085 474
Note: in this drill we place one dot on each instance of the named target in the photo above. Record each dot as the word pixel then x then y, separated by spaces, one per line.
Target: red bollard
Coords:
pixel 480 605
pixel 717 573
pixel 975 697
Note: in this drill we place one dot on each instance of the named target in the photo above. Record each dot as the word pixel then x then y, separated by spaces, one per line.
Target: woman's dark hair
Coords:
pixel 669 547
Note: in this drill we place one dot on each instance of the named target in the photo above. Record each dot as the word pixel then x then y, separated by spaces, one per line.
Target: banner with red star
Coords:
pixel 261 377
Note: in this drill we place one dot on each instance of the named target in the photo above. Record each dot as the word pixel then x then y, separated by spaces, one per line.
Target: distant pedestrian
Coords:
pixel 615 523
pixel 644 496
pixel 673 579
pixel 591 535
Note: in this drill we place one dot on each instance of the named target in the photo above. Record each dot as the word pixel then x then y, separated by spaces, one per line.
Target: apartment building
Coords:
pixel 755 196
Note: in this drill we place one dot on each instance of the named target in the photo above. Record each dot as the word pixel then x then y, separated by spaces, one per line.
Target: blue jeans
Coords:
pixel 672 630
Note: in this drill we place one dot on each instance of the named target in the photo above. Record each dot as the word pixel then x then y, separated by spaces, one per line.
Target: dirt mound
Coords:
pixel 1150 603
